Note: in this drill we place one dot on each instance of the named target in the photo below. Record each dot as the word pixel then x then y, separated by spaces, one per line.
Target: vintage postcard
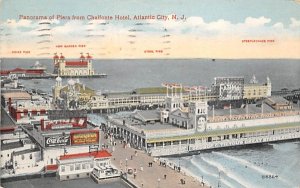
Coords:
pixel 137 93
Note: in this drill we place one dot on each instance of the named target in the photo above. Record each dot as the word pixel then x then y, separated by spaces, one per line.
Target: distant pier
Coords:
pixel 53 76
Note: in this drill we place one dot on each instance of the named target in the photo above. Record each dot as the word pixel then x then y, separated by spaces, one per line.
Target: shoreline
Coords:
pixel 185 171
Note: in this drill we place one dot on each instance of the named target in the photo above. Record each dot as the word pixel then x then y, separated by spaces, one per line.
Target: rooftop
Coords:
pixel 6 122
pixel 26 151
pixel 147 115
pixel 140 126
pixel 252 109
pixel 76 63
pixel 95 154
pixel 11 145
pixel 154 90
pixel 16 95
pixel 277 100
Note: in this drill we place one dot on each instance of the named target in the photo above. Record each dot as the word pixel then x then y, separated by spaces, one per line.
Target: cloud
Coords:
pixel 294 23
pixel 278 25
pixel 256 22
pixel 13 24
pixel 114 37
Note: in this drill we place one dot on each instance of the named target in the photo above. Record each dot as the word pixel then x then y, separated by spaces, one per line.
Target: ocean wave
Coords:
pixel 250 165
pixel 209 173
pixel 228 173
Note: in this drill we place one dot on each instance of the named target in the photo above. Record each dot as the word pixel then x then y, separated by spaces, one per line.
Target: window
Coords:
pixel 63 168
pixel 30 156
pixel 83 166
pixel 22 157
pixel 71 168
pixel 77 166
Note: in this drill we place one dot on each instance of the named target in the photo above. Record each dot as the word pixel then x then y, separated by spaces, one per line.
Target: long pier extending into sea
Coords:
pixel 53 76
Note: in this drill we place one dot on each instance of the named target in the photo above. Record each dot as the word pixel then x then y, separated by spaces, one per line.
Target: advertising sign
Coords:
pixel 230 88
pixel 91 137
pixel 58 140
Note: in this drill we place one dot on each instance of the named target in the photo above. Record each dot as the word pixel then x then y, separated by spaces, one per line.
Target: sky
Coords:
pixel 170 28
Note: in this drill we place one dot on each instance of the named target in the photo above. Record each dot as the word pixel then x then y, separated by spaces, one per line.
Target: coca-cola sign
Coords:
pixel 57 141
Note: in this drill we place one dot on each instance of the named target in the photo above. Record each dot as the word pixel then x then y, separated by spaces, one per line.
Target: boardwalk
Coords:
pixel 145 176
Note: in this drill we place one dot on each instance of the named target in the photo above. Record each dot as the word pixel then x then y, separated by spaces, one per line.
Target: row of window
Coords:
pixel 77 167
pixel 226 137
pixel 22 156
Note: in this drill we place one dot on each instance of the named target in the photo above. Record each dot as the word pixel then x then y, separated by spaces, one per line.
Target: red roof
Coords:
pixel 51 167
pixel 85 131
pixel 76 63
pixel 8 128
pixel 35 71
pixel 4 72
pixel 95 154
pixel 18 70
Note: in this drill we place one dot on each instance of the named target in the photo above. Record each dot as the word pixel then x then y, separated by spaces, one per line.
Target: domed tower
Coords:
pixel 90 64
pixel 82 58
pixel 55 63
pixel 269 87
pixel 72 95
pixel 56 89
pixel 253 80
pixel 61 65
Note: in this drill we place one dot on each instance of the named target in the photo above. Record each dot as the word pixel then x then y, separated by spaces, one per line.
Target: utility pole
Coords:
pixel 219 179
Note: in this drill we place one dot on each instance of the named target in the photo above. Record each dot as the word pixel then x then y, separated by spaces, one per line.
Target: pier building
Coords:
pixel 81 67
pixel 177 129
pixel 255 90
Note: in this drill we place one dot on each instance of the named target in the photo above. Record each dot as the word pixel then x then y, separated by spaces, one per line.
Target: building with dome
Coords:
pixel 255 90
pixel 74 95
pixel 77 68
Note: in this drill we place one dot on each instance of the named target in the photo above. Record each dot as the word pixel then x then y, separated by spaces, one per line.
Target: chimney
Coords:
pixel 9 105
pixel 42 124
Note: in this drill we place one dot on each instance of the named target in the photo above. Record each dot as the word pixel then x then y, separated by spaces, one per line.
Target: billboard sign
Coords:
pixel 86 137
pixel 230 88
pixel 57 140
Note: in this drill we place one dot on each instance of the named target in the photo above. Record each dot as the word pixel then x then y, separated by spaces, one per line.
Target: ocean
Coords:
pixel 271 165
pixel 126 75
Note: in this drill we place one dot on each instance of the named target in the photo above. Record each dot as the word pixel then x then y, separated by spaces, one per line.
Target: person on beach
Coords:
pixel 142 169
